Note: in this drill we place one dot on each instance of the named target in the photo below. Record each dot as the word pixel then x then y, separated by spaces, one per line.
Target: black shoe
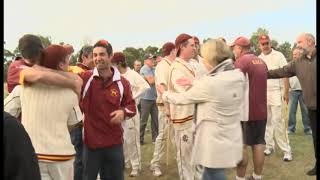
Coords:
pixel 308 132
pixel 312 172
pixel 290 132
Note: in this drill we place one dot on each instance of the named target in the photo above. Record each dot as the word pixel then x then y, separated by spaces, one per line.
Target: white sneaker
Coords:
pixel 134 173
pixel 151 167
pixel 157 172
pixel 268 151
pixel 287 157
pixel 127 165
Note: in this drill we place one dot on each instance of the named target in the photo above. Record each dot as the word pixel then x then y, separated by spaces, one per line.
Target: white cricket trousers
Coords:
pixel 160 144
pixel 62 170
pixel 276 125
pixel 131 145
pixel 184 146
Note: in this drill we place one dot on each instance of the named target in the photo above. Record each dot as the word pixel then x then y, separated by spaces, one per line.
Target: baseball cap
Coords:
pixel 167 48
pixel 181 39
pixel 53 55
pixel 263 38
pixel 149 56
pixel 118 57
pixel 241 41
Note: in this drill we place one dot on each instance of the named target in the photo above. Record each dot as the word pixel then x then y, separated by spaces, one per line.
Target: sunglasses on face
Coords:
pixel 264 44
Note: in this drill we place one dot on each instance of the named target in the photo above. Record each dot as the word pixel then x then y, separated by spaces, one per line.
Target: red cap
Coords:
pixel 196 40
pixel 53 55
pixel 167 48
pixel 263 38
pixel 241 41
pixel 181 39
pixel 118 57
pixel 69 48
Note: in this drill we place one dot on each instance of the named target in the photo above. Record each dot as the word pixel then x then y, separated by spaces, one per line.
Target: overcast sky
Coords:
pixel 139 23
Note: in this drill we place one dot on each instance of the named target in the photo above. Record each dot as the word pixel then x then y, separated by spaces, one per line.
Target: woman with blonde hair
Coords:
pixel 219 98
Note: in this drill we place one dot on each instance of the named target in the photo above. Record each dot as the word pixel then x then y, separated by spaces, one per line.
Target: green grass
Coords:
pixel 274 167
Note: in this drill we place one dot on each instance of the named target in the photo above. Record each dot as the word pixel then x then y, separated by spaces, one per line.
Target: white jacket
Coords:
pixel 218 138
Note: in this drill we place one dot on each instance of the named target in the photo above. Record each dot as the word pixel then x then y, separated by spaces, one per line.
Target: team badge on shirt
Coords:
pixel 114 92
pixel 185 138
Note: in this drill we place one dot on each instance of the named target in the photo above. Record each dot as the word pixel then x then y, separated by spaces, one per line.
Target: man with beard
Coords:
pixel 306 71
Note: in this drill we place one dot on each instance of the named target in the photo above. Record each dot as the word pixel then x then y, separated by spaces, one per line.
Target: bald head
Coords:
pixel 306 41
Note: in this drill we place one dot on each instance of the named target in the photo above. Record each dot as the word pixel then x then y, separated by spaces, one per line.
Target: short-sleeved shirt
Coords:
pixel 151 93
pixel 257 74
pixel 274 60
pixel 13 74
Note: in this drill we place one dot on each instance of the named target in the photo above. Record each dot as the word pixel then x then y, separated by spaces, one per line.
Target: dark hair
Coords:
pixel 184 44
pixel 30 47
pixel 86 51
pixel 105 44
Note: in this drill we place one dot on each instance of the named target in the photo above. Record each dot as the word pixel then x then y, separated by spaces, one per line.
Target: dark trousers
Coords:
pixel 149 107
pixel 76 139
pixel 313 124
pixel 109 162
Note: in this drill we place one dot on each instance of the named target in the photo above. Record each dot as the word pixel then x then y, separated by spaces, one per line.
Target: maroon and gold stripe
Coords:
pixel 179 121
pixel 51 157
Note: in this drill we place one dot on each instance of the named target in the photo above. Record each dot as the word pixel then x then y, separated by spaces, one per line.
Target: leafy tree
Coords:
pixel 45 40
pixel 206 39
pixel 74 59
pixel 151 50
pixel 7 53
pixel 285 48
pixel 132 54
pixel 255 41
pixel 274 44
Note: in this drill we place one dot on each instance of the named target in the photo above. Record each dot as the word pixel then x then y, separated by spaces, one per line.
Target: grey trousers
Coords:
pixel 149 107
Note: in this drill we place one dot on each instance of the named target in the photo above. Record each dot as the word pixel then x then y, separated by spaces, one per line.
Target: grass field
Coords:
pixel 274 168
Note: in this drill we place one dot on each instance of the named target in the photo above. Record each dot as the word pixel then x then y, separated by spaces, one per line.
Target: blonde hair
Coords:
pixel 215 51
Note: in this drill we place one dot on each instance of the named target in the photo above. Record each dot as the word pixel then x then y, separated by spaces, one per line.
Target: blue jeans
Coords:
pixel 295 96
pixel 76 139
pixel 109 162
pixel 213 174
